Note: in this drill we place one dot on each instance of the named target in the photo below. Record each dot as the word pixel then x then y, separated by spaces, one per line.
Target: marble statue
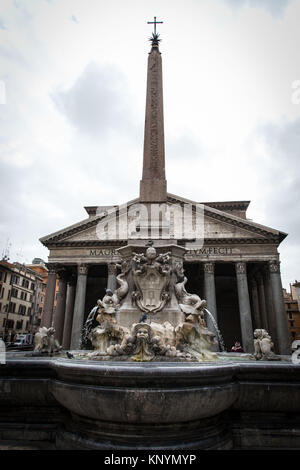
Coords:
pixel 104 314
pixel 263 345
pixel 193 338
pixel 190 304
pixel 44 340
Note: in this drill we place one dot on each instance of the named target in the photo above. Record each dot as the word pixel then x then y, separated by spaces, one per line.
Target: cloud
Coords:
pixel 282 173
pixel 97 102
pixel 275 7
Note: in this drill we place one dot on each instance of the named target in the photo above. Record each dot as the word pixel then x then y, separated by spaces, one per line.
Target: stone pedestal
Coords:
pixel 79 306
pixel 244 307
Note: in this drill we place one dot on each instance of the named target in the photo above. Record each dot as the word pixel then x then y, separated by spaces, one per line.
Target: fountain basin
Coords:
pixel 84 404
pixel 145 393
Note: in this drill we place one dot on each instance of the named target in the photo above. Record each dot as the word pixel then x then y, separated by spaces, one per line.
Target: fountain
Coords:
pixel 179 333
pixel 152 381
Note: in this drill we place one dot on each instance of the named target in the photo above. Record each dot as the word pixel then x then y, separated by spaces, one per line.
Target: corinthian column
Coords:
pixel 210 295
pixel 49 297
pixel 244 307
pixel 262 301
pixel 79 306
pixel 59 314
pixel 279 308
pixel 70 297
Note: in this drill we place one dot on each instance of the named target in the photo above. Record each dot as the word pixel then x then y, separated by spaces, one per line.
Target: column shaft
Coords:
pixel 262 301
pixel 59 314
pixel 49 298
pixel 270 309
pixel 210 295
pixel 79 306
pixel 244 307
pixel 279 309
pixel 68 315
pixel 255 304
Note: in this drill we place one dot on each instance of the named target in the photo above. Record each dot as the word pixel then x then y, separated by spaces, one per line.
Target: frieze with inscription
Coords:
pixel 210 250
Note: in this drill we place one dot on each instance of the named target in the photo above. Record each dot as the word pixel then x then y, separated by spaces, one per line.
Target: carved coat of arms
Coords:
pixel 151 275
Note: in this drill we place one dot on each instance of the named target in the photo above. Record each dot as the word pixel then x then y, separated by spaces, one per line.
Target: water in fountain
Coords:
pixel 88 326
pixel 215 325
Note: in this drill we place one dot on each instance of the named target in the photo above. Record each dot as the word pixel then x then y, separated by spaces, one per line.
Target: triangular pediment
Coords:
pixel 218 224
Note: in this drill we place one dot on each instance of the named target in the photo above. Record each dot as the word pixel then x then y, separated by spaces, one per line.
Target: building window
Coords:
pixel 12 307
pixel 29 311
pixel 22 310
pixel 290 316
pixel 15 279
pixel 291 323
pixel 19 325
pixel 2 292
pixel 10 324
pixel 14 293
pixel 4 321
pixel 32 286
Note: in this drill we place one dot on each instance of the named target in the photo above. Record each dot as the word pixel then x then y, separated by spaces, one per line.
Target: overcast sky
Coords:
pixel 72 94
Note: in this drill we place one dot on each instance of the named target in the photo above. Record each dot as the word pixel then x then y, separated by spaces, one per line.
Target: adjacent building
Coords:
pixel 292 307
pixel 22 295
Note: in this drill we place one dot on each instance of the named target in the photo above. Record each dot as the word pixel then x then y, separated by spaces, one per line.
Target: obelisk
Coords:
pixel 153 186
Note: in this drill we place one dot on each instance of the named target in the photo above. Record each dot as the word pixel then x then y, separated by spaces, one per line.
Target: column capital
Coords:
pixel 274 266
pixel 209 267
pixel 52 268
pixel 111 268
pixel 83 269
pixel 241 267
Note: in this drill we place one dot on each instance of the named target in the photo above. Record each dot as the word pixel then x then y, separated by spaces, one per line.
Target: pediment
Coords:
pixel 218 224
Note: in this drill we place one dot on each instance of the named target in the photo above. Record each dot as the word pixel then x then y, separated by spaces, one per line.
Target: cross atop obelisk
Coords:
pixel 155 23
pixel 153 186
